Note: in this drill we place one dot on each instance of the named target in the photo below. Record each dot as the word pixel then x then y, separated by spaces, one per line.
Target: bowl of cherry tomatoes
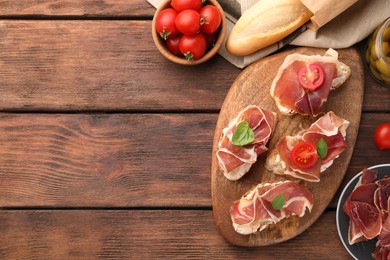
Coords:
pixel 189 32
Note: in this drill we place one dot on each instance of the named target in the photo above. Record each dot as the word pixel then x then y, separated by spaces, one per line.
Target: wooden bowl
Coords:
pixel 161 46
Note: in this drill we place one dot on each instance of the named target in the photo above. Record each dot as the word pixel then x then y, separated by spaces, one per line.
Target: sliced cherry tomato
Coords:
pixel 193 46
pixel 181 5
pixel 211 19
pixel 165 23
pixel 304 155
pixel 188 22
pixel 173 45
pixel 311 77
pixel 382 136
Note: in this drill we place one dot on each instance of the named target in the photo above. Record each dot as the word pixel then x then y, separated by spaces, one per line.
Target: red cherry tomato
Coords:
pixel 173 45
pixel 211 19
pixel 193 46
pixel 311 77
pixel 181 5
pixel 382 136
pixel 304 155
pixel 165 23
pixel 188 22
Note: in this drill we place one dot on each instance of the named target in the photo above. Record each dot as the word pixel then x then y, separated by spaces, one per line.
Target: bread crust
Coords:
pixel 265 23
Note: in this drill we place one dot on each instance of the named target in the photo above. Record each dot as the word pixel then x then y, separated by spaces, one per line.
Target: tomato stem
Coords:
pixel 203 20
pixel 164 34
pixel 189 56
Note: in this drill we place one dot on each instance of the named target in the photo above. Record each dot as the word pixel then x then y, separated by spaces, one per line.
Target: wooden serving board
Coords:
pixel 252 86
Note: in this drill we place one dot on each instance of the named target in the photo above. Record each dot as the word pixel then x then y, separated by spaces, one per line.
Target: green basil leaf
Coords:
pixel 278 202
pixel 243 134
pixel 322 148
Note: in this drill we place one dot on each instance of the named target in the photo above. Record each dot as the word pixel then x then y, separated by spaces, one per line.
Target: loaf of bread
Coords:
pixel 265 23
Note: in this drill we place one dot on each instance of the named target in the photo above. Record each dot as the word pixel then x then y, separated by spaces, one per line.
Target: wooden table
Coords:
pixel 105 146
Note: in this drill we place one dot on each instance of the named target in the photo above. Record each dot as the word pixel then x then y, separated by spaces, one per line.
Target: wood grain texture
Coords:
pixel 140 234
pixel 252 88
pixel 76 8
pixel 103 160
pixel 120 160
pixel 101 65
pixel 111 65
pixel 76 56
pixel 366 153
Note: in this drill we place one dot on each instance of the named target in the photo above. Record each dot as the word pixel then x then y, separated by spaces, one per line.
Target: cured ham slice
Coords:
pixel 368 209
pixel 254 211
pixel 330 128
pixel 234 160
pixel 381 196
pixel 384 236
pixel 292 97
pixel 382 250
pixel 365 218
pixel 381 253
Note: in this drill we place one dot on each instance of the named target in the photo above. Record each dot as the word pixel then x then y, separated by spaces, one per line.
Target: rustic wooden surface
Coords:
pixel 252 87
pixel 105 146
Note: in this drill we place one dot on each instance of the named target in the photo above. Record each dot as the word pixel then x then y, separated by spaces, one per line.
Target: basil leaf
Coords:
pixel 278 202
pixel 243 134
pixel 322 148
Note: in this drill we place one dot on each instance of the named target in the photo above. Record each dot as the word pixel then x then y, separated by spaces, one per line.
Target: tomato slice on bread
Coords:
pixel 304 155
pixel 311 76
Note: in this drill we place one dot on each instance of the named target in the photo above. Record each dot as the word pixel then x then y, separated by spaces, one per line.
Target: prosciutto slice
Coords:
pixel 254 211
pixel 381 253
pixel 366 210
pixel 292 98
pixel 234 160
pixel 382 250
pixel 329 127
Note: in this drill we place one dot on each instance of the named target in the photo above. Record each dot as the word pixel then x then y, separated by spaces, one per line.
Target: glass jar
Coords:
pixel 378 52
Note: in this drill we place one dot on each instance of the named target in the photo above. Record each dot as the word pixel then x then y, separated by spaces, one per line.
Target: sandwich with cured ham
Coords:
pixel 310 152
pixel 303 83
pixel 269 203
pixel 243 140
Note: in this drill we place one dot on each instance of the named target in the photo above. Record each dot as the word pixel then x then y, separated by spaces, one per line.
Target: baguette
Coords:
pixel 265 23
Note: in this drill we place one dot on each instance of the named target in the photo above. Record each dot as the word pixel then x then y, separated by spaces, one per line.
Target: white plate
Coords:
pixel 361 250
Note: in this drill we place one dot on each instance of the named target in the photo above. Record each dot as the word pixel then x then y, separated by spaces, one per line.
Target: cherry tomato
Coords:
pixel 311 77
pixel 193 46
pixel 211 39
pixel 188 22
pixel 211 19
pixel 382 136
pixel 304 154
pixel 165 23
pixel 181 5
pixel 173 45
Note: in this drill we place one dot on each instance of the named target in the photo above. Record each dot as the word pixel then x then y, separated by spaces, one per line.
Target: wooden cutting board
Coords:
pixel 252 86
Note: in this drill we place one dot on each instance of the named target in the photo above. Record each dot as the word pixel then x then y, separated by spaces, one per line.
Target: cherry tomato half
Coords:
pixel 304 155
pixel 311 77
pixel 181 5
pixel 188 22
pixel 193 46
pixel 165 23
pixel 173 45
pixel 211 19
pixel 382 136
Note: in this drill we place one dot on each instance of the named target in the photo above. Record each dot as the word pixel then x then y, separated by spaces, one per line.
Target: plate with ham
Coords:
pixel 283 141
pixel 362 214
